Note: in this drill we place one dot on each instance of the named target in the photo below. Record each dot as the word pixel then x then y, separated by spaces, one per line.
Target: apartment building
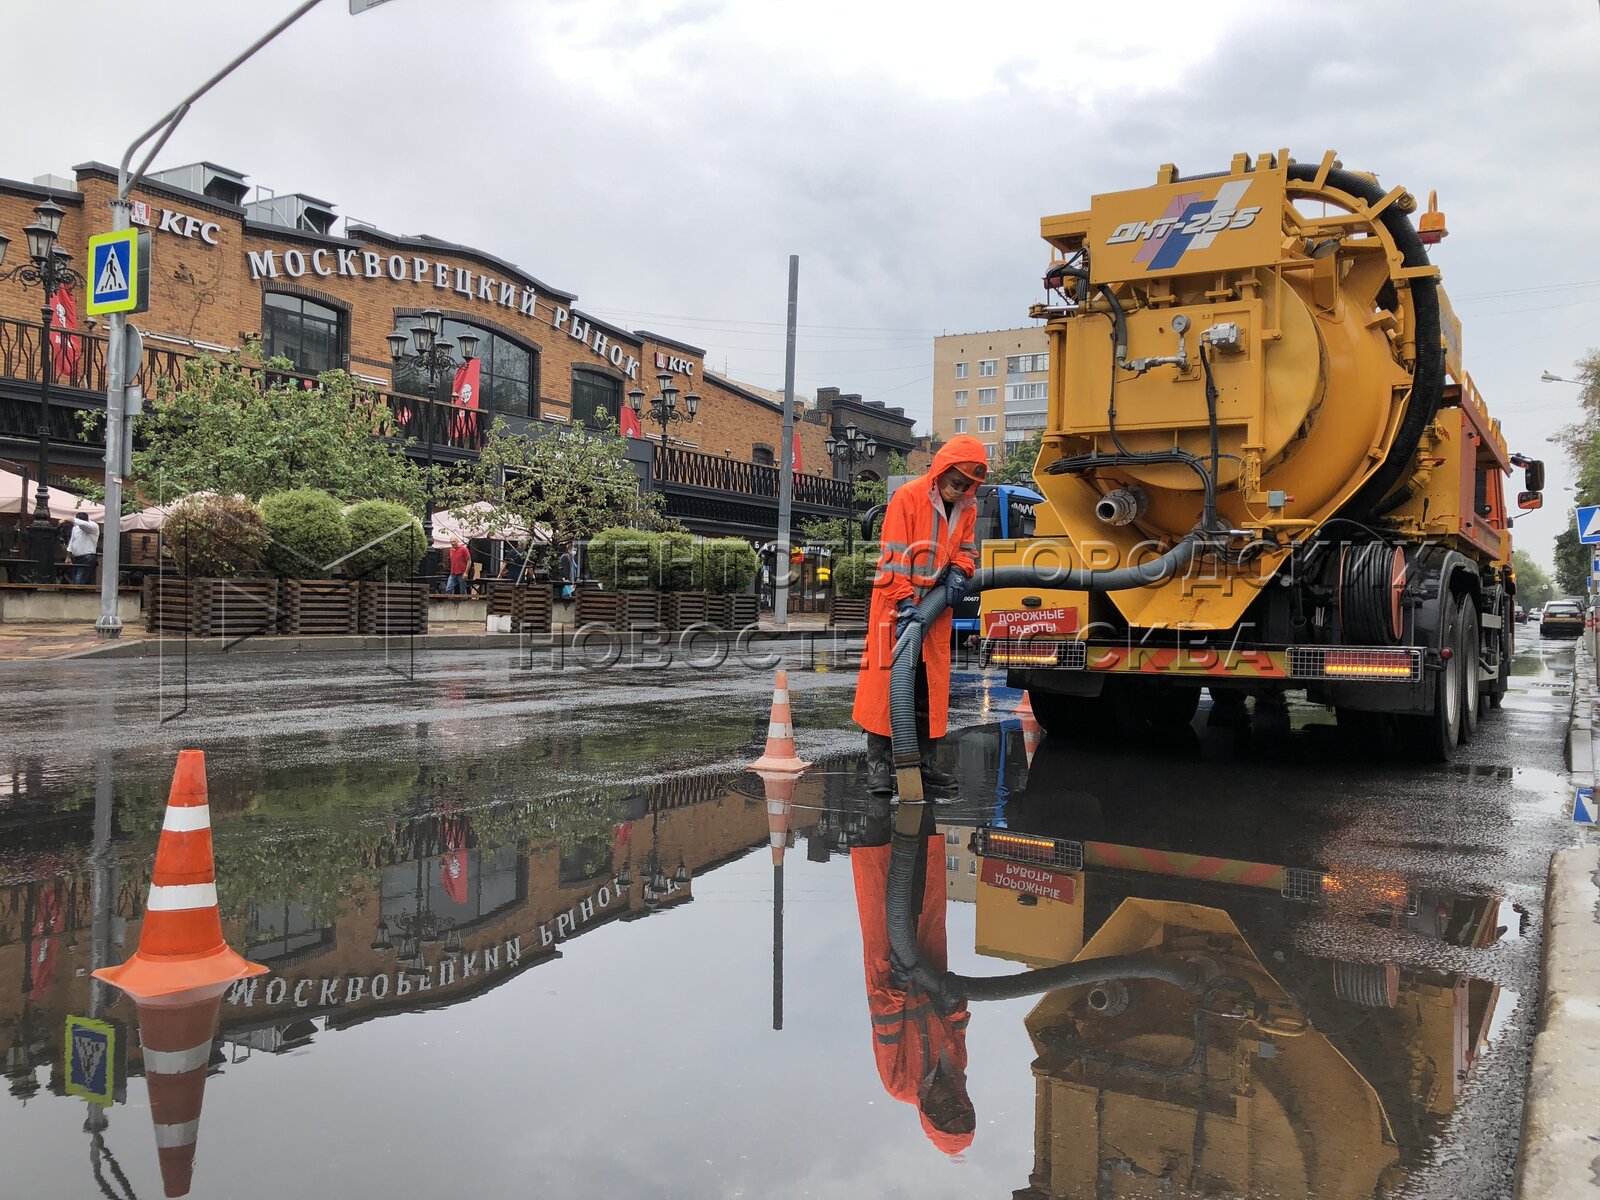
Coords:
pixel 990 385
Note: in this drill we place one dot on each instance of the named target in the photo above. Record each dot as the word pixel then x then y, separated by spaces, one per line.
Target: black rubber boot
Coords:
pixel 880 765
pixel 935 781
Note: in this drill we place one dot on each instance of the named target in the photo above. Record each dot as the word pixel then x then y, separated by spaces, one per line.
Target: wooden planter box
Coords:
pixel 641 610
pixel 319 606
pixel 211 607
pixel 719 611
pixel 392 608
pixel 528 606
pixel 619 610
pixel 679 610
pixel 848 614
pixel 744 611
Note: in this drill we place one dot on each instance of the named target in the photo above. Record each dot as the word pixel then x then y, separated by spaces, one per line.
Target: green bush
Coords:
pixel 625 560
pixel 308 533
pixel 681 567
pixel 392 539
pixel 852 575
pixel 730 566
pixel 215 537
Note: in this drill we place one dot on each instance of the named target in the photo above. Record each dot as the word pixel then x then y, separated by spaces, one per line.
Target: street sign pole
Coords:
pixel 780 600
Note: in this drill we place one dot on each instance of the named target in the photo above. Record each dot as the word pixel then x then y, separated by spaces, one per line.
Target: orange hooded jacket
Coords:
pixel 910 1035
pixel 918 543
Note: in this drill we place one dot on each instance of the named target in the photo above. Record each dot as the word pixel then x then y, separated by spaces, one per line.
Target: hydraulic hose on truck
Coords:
pixel 946 987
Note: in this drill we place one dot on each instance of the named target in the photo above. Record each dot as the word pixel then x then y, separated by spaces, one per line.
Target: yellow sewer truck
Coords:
pixel 1261 362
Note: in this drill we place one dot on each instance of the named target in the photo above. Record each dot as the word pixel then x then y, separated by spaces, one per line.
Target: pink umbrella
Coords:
pixel 15 498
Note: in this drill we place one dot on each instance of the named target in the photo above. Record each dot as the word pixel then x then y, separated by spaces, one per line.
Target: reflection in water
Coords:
pixel 921 1051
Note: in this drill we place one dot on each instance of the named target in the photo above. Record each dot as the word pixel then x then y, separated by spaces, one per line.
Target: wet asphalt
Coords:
pixel 568 1027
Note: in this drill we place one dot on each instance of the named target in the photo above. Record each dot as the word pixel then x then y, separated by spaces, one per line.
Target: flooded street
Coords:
pixel 525 934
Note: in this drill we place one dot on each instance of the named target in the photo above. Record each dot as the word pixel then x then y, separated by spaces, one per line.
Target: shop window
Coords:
pixel 592 394
pixel 308 334
pixel 279 928
pixel 508 370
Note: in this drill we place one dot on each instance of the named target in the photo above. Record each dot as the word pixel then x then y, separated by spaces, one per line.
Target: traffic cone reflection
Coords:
pixel 176 1032
pixel 780 754
pixel 180 943
pixel 1032 731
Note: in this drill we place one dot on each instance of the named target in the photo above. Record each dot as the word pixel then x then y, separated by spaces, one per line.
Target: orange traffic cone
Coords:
pixel 780 755
pixel 1032 731
pixel 176 1032
pixel 780 787
pixel 180 945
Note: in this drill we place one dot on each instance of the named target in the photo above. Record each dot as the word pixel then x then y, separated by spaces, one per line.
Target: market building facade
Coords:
pixel 286 273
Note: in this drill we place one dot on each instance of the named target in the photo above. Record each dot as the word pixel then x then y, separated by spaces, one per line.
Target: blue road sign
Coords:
pixel 113 272
pixel 1583 807
pixel 91 1059
pixel 1589 523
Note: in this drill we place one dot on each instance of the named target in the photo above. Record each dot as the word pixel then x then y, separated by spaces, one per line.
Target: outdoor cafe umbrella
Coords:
pixel 482 520
pixel 156 515
pixel 15 498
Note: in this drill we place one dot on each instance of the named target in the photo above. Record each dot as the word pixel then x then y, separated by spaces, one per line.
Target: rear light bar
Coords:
pixel 1036 652
pixel 1400 664
pixel 1028 848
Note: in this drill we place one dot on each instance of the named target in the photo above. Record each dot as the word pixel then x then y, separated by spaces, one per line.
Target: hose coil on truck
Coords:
pixel 1256 392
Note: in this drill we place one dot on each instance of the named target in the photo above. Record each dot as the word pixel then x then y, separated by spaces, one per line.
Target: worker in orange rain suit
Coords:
pixel 927 543
pixel 921 1052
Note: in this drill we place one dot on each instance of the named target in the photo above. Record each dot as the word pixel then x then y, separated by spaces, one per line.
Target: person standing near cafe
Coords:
pixel 928 541
pixel 460 562
pixel 83 547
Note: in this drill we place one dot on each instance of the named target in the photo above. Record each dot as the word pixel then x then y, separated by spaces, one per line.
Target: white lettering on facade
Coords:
pixel 513 950
pixel 397 268
pixel 347 262
pixel 486 288
pixel 464 282
pixel 671 362
pixel 294 263
pixel 319 263
pixel 263 265
pixel 276 991
pixel 632 369
pixel 402 984
pixel 586 909
pixel 330 992
pixel 356 989
pixel 491 958
pixel 169 222
pixel 447 972
pixel 299 1000
pixel 508 295
pixel 441 275
pixel 616 356
pixel 243 992
pixel 380 986
pixel 372 264
pixel 469 965
pixel 528 298
pixel 559 317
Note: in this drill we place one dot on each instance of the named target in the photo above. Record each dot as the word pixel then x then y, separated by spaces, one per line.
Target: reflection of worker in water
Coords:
pixel 928 542
pixel 921 1051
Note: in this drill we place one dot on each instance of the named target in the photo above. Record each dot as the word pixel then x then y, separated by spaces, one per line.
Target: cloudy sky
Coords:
pixel 663 160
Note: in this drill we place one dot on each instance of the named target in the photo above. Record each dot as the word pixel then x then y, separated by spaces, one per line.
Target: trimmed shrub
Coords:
pixel 308 533
pixel 215 537
pixel 625 560
pixel 392 539
pixel 730 566
pixel 682 563
pixel 853 574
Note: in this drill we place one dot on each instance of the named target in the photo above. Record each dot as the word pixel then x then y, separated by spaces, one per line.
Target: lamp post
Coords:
pixel 849 450
pixel 1547 377
pixel 51 269
pixel 664 408
pixel 433 357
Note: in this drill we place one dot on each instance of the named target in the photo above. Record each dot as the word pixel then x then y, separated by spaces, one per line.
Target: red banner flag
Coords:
pixel 799 467
pixel 63 346
pixel 629 423
pixel 464 393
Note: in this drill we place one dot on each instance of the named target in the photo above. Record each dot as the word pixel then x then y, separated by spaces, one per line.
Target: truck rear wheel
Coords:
pixel 1469 649
pixel 1433 736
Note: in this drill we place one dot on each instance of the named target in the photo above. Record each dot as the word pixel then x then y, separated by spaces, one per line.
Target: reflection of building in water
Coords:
pixel 1337 1091
pixel 960 863
pixel 431 911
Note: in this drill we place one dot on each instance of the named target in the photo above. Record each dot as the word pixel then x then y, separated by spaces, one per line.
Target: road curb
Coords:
pixel 596 642
pixel 1560 1127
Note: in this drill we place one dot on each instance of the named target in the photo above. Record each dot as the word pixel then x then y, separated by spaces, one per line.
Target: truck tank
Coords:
pixel 1263 359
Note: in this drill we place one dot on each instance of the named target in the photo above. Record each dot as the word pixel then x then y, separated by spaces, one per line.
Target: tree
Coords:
pixel 564 486
pixel 1572 563
pixel 1017 465
pixel 229 428
pixel 1533 585
pixel 1581 439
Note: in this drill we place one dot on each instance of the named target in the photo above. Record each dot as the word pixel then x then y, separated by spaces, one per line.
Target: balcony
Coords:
pixel 715 493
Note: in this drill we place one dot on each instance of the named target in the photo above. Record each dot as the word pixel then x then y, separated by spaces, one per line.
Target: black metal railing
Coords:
pixel 81 362
pixel 717 473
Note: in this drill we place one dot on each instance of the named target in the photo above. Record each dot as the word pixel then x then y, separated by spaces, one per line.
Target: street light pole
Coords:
pixel 433 356
pixel 664 408
pixel 849 450
pixel 51 270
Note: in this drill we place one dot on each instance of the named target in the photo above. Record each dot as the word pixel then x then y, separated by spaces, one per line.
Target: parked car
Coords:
pixel 1561 617
pixel 1522 615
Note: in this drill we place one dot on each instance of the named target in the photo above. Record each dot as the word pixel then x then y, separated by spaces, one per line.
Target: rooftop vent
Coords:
pixel 295 211
pixel 205 179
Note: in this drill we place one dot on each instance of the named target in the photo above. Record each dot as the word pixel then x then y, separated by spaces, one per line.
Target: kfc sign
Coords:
pixel 669 362
pixel 171 221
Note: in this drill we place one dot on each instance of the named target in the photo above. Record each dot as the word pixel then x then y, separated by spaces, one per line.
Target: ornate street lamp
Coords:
pixel 51 269
pixel 848 450
pixel 432 357
pixel 664 408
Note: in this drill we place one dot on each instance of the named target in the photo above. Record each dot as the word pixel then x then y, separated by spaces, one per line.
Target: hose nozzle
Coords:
pixel 1122 506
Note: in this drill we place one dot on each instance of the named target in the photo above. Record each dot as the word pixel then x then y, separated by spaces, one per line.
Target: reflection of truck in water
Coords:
pixel 1255 377
pixel 1292 1073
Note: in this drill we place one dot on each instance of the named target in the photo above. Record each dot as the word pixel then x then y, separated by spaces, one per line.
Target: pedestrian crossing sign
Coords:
pixel 117 276
pixel 91 1059
pixel 1589 523
pixel 1583 807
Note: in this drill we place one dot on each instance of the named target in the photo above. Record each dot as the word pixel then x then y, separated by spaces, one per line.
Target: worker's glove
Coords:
pixel 955 585
pixel 906 614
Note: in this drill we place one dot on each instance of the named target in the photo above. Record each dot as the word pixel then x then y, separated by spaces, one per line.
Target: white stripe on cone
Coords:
pixel 187 820
pixel 171 1137
pixel 179 897
pixel 775 730
pixel 177 1062
pixel 780 695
